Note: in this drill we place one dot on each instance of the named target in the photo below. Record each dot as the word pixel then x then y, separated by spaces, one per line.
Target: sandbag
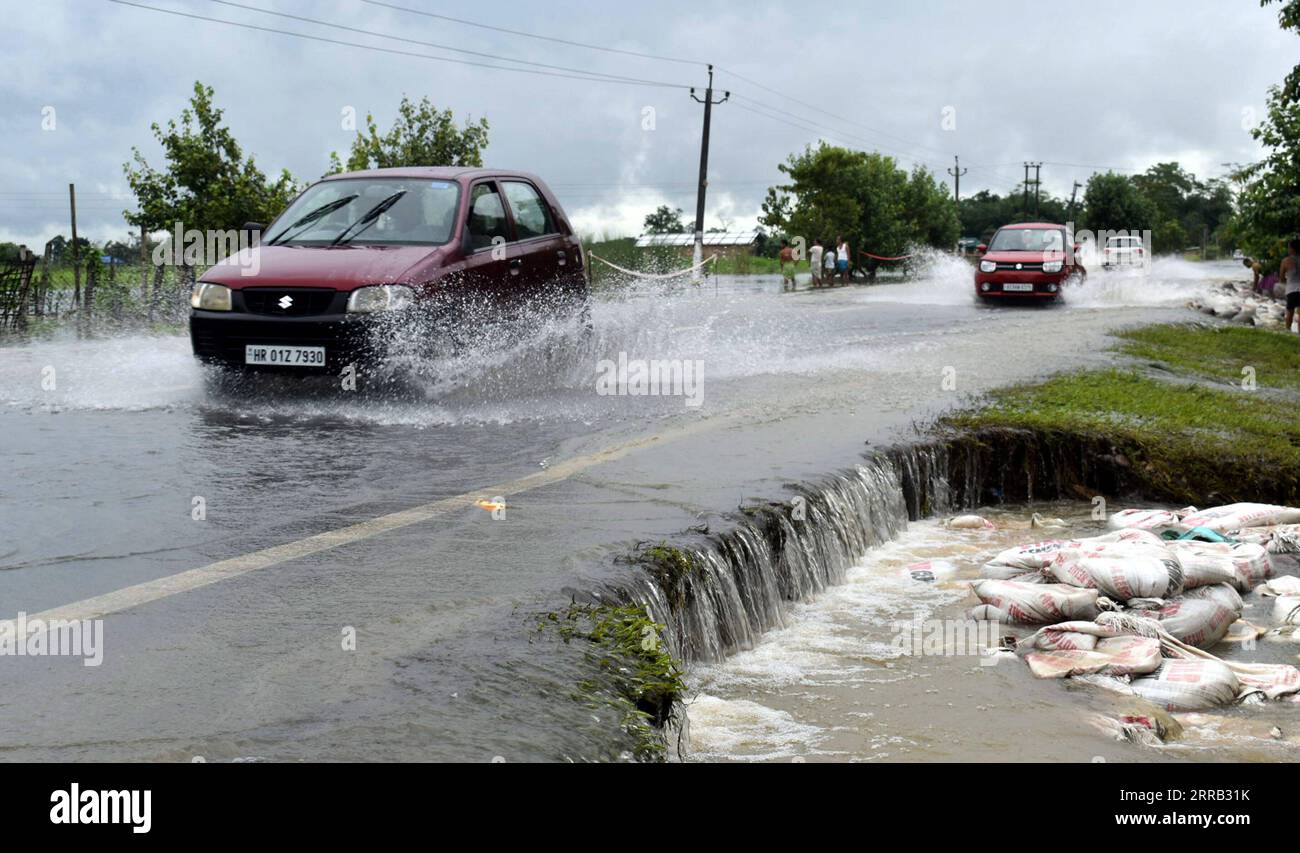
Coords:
pixel 1032 603
pixel 1108 656
pixel 1037 556
pixel 1284 585
pixel 1224 594
pixel 1286 610
pixel 1197 622
pixel 971 522
pixel 1154 520
pixel 1223 519
pixel 1241 564
pixel 929 571
pixel 1276 539
pixel 1188 685
pixel 1119 573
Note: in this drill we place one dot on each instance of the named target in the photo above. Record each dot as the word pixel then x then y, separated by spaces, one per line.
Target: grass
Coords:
pixel 1219 352
pixel 634 672
pixel 1185 438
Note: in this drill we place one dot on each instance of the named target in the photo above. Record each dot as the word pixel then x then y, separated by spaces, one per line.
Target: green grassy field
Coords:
pixel 1175 426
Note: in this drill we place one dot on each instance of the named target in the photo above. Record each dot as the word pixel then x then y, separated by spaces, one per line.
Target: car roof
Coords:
pixel 1032 225
pixel 436 173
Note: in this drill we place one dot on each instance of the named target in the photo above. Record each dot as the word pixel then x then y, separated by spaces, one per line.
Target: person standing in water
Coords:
pixel 842 259
pixel 815 262
pixel 1289 274
pixel 787 266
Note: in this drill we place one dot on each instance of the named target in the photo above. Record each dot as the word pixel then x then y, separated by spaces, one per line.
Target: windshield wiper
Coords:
pixel 368 218
pixel 311 216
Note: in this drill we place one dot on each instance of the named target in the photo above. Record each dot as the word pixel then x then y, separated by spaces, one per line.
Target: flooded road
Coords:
pixel 124 473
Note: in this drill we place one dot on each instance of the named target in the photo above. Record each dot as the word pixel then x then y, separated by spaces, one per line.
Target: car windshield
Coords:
pixel 1028 240
pixel 420 212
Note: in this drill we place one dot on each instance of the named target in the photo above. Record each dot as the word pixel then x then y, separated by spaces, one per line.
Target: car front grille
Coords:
pixel 289 301
pixel 1022 266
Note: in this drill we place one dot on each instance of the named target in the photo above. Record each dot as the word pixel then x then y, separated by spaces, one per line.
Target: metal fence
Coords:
pixel 94 294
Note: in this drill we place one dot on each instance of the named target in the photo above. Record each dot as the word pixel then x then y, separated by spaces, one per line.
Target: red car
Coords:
pixel 1031 260
pixel 360 257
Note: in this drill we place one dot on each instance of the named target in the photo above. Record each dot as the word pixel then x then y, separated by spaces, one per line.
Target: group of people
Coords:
pixel 1283 284
pixel 825 263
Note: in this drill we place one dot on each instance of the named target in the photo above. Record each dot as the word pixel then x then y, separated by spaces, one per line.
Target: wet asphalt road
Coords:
pixel 101 476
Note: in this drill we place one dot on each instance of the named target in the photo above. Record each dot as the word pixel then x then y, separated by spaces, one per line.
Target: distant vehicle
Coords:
pixel 360 256
pixel 1238 254
pixel 1123 252
pixel 967 245
pixel 1028 261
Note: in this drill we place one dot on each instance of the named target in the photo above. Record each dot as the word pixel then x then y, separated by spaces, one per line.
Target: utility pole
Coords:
pixel 704 173
pixel 76 256
pixel 1037 184
pixel 1024 205
pixel 956 171
pixel 1073 192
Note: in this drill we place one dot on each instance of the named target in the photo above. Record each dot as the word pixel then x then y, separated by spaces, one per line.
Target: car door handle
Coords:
pixel 563 258
pixel 515 266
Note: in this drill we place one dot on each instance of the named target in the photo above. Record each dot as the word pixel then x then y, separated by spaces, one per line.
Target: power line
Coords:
pixel 596 77
pixel 360 31
pixel 553 39
pixel 662 58
pixel 833 134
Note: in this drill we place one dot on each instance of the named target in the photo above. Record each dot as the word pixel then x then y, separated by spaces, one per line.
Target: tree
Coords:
pixel 665 220
pixel 421 136
pixel 1269 204
pixel 864 197
pixel 207 183
pixel 1111 202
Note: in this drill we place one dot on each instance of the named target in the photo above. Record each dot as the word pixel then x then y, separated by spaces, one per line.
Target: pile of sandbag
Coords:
pixel 1135 608
pixel 1137 655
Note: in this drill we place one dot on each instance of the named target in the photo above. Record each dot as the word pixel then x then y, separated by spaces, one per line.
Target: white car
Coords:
pixel 1123 252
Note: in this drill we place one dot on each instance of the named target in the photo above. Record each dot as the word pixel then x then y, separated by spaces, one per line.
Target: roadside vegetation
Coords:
pixel 1183 437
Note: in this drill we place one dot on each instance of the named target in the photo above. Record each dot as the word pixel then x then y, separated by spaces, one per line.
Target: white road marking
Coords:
pixel 165 587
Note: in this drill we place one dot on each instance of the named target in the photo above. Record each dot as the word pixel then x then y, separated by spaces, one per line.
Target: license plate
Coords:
pixel 1018 287
pixel 284 356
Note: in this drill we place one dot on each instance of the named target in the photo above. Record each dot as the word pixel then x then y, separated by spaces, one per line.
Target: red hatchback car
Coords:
pixel 1031 260
pixel 360 256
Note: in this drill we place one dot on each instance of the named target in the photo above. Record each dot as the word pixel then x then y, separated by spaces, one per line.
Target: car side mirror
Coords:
pixel 981 248
pixel 1077 247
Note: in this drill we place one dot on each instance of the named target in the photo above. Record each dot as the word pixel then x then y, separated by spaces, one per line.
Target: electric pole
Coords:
pixel 76 257
pixel 1024 205
pixel 1073 192
pixel 1037 185
pixel 956 171
pixel 704 173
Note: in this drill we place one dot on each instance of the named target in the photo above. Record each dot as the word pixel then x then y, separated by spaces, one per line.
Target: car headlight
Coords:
pixel 1051 266
pixel 380 297
pixel 988 266
pixel 207 296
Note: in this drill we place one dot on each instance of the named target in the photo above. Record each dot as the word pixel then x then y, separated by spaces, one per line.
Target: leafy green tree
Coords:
pixel 862 196
pixel 1269 203
pixel 207 182
pixel 665 220
pixel 422 135
pixel 1112 202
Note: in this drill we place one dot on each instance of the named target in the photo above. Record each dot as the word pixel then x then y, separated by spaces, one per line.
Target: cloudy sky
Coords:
pixel 1101 85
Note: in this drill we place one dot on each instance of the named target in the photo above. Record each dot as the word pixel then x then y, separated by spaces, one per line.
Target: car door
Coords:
pixel 490 267
pixel 543 250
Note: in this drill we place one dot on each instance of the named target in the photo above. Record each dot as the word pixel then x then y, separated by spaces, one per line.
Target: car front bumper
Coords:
pixel 220 337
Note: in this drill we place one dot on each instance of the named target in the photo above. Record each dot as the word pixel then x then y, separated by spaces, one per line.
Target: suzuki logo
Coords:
pixel 1018 266
pixel 285 302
